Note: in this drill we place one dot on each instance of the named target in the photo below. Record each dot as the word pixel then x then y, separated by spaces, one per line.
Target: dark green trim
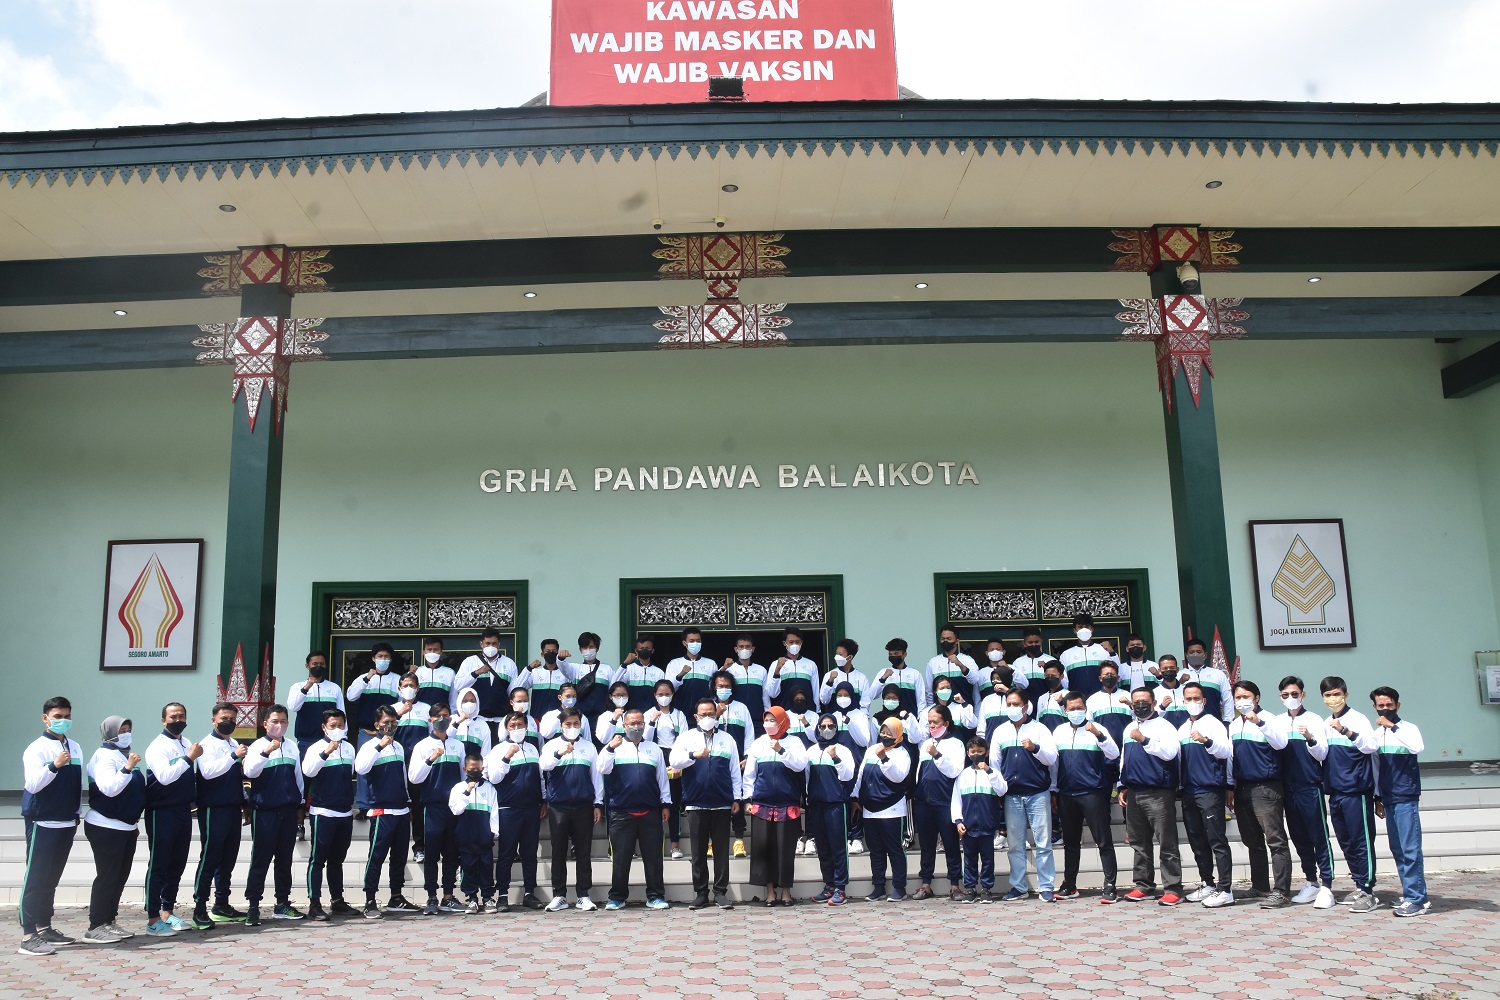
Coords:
pixel 630 588
pixel 322 594
pixel 1139 578
pixel 1469 375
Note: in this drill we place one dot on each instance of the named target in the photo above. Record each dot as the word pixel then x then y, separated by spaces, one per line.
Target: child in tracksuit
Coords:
pixel 977 797
pixel 436 762
pixel 472 800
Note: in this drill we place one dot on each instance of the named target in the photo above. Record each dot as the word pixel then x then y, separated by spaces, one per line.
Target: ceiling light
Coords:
pixel 730 188
pixel 1314 280
pixel 921 284
pixel 228 208
pixel 529 295
pixel 120 312
pixel 1214 185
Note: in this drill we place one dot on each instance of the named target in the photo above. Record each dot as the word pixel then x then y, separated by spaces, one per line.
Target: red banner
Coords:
pixel 664 51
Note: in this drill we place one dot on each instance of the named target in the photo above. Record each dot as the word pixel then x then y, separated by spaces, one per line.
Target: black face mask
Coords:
pixel 975 761
pixel 644 655
pixel 896 659
pixel 550 658
pixel 948 647
pixel 474 776
pixel 800 705
pixel 224 728
pixel 887 741
pixel 318 673
pixel 175 728
pixel 1109 683
pixel 1389 716
pixel 1143 710
pixel 1137 652
pixel 1053 683
pixel 1034 651
pixel 1169 676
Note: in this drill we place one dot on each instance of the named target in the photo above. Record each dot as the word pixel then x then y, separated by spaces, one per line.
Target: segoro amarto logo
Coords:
pixel 150 611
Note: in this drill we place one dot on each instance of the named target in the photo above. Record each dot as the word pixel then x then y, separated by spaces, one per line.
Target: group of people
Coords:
pixel 460 768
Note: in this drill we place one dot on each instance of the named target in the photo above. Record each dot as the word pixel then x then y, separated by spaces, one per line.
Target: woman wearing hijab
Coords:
pixel 117 797
pixel 879 790
pixel 830 775
pixel 855 733
pixel 773 785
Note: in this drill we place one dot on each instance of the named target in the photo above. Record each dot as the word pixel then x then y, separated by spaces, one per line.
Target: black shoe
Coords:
pixel 400 904
pixel 372 910
pixel 223 913
pixel 301 831
pixel 252 917
pixel 499 906
pixel 722 901
pixel 359 814
pixel 342 909
pixel 431 909
pixel 419 855
pixel 699 901
pixel 315 911
pixel 531 902
pixel 54 937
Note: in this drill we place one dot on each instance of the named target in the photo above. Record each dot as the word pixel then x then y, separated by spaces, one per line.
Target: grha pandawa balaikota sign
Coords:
pixel 664 51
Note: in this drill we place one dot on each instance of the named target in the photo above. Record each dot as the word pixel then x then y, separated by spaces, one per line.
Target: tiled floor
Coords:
pixel 1072 951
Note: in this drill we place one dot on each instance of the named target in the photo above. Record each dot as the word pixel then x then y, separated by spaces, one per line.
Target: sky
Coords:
pixel 103 63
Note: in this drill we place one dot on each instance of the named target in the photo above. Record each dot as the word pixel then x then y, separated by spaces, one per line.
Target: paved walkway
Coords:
pixel 999 950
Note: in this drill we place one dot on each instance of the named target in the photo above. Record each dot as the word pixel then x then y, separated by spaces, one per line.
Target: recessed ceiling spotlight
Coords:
pixel 730 188
pixel 1314 280
pixel 529 295
pixel 921 284
pixel 1214 185
pixel 121 312
pixel 228 208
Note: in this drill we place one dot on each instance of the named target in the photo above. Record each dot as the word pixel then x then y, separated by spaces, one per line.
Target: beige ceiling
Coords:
pixel 777 192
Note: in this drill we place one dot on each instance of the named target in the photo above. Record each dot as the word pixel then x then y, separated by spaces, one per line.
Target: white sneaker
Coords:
pixel 1201 893
pixel 1217 899
pixel 559 902
pixel 1307 893
pixel 1000 844
pixel 586 904
pixel 856 846
pixel 676 854
pixel 1324 900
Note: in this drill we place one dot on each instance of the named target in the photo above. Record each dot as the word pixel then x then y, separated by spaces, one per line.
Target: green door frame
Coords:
pixel 1136 578
pixel 323 593
pixel 631 588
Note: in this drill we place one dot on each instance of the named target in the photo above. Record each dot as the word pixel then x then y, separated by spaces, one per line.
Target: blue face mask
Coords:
pixel 1077 716
pixel 694 647
pixel 59 727
pixel 568 702
pixel 724 694
pixel 943 694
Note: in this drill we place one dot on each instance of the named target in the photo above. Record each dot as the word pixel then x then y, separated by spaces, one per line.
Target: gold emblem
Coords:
pixel 1303 586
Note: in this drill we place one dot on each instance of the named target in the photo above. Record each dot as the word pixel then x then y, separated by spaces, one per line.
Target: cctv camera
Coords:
pixel 656 223
pixel 1187 276
pixel 720 221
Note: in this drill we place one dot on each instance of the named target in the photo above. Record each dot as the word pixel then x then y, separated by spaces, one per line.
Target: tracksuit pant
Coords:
pixel 1354 825
pixel 114 855
pixel 418 817
pixel 934 823
pixel 886 839
pixel 1307 825
pixel 1260 813
pixel 1203 815
pixel 979 861
pixel 218 849
pixel 854 826
pixel 441 838
pixel 1403 828
pixel 520 838
pixel 1089 809
pixel 273 838
pixel 47 850
pixel 169 833
pixel 827 822
pixel 331 836
pixel 389 837
pixel 705 827
pixel 674 818
pixel 572 826
pixel 1151 822
pixel 475 863
pixel 628 831
pixel 361 781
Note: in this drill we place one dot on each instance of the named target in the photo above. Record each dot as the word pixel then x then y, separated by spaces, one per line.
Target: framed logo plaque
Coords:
pixel 151 590
pixel 1301 571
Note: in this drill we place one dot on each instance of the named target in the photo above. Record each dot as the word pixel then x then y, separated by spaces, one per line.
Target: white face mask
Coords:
pixel 793 648
pixel 620 701
pixel 468 708
pixel 490 652
pixel 843 701
pixel 744 654
pixel 335 735
pixel 664 700
pixel 708 723
pixel 571 733
pixel 521 706
pixel 996 655
pixel 694 648
pixel 432 658
pixel 590 655
pixel 1015 713
pixel 840 661
pixel 1292 704
pixel 1084 635
pixel 516 735
pixel 1244 706
pixel 408 694
pixel 1194 708
pixel 122 741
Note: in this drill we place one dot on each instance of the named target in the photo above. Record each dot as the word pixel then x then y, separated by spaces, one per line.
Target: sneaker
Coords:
pixel 1353 897
pixel 315 911
pixel 223 913
pixel 286 911
pixel 493 905
pixel 615 904
pixel 1254 893
pixel 530 901
pixel 558 902
pixel 723 902
pixel 474 906
pixel 450 904
pixel 1000 844
pixel 1275 900
pixel 1048 896
pixel 738 851
pixel 856 846
pixel 1169 898
pixel 968 895
pixel 657 903
pixel 956 894
pixel 710 851
pixel 431 909
pixel 676 854
pixel 922 893
pixel 1325 900
pixel 1409 908
pixel 987 895
pixel 1217 899
pixel 586 904
pixel 1307 893
pixel 1013 895
pixel 340 908
pixel 252 917
pixel 400 904
pixel 99 935
pixel 1205 890
pixel 896 897
pixel 1109 896
pixel 823 896
pixel 177 923
pixel 372 910
pixel 699 902
pixel 419 855
pixel 875 896
pixel 118 931
pixel 1369 903
pixel 837 898
pixel 54 937
pixel 1139 895
pixel 160 928
pixel 35 947
pixel 301 831
pixel 201 921
pixel 1068 893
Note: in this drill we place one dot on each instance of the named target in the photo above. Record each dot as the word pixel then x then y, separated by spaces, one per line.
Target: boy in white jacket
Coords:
pixel 472 800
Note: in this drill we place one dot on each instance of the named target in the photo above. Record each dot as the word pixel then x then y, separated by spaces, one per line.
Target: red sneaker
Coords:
pixel 1169 899
pixel 1138 895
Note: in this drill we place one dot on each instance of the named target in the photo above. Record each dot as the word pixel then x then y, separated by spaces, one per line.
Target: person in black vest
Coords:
pixel 221 800
pixel 50 805
pixel 273 766
pixel 170 792
pixel 117 797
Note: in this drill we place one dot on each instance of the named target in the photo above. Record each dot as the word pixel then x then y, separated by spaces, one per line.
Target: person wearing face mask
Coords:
pixel 593 677
pixel 468 728
pixel 490 674
pixel 965 723
pixel 117 797
pixel 1081 662
pixel 830 779
pixel 939 759
pixel 749 682
pixel 376 688
pixel 736 722
pixel 1204 777
pixel 472 801
pixel 1259 797
pixel 514 767
pixel 1215 682
pixel 328 767
pixel 911 690
pixel 773 784
pixel 1087 765
pixel 891 704
pixel 273 767
pixel 1136 669
pixel 663 725
pixel 522 701
pixel 691 671
pixel 640 801
pixel 994 659
pixel 1398 794
pixel 383 761
pixel 855 733
pixel 976 808
pixel 1148 792
pixel 1349 778
pixel 843 672
pixel 544 677
pixel 792 674
pixel 51 803
pixel 959 667
pixel 307 700
pixel 1023 751
pixel 612 719
pixel 574 791
pixel 992 706
pixel 434 677
pixel 567 697
pixel 639 674
pixel 1168 691
pixel 435 765
pixel 1110 708
pixel 880 793
pixel 1302 779
pixel 171 791
pixel 411 728
pixel 221 800
pixel 1030 667
pixel 709 763
pixel 1048 706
